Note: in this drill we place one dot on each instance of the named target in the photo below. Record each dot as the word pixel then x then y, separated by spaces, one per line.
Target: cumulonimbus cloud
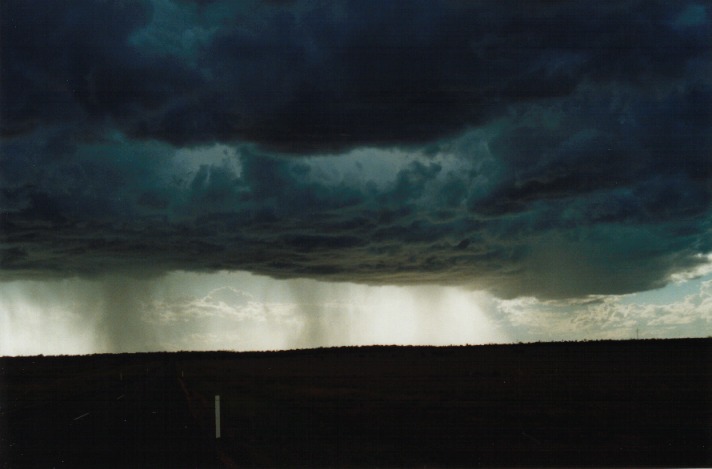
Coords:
pixel 558 150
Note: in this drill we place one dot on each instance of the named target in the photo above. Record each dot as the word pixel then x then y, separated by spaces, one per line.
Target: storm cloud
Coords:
pixel 556 149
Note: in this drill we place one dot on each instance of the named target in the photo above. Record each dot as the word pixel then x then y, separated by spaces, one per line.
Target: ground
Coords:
pixel 627 403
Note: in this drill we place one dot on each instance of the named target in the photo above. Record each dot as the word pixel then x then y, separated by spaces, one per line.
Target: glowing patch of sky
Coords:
pixel 376 166
pixel 234 311
pixel 188 160
pixel 671 292
pixel 241 311
pixel 36 318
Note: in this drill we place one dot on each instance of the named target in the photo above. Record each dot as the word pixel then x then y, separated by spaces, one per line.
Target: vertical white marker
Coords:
pixel 217 416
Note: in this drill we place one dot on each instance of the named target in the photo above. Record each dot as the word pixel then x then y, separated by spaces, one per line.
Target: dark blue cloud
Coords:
pixel 556 149
pixel 71 61
pixel 301 77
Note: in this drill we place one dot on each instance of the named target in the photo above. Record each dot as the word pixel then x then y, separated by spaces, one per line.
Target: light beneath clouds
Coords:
pixel 234 311
pixel 679 310
pixel 241 312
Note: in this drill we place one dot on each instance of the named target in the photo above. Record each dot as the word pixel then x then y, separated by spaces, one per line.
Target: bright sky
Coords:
pixel 241 311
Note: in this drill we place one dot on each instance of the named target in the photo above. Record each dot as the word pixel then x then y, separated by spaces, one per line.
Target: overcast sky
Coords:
pixel 198 174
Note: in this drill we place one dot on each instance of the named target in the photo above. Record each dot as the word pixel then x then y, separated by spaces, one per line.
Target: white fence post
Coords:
pixel 217 416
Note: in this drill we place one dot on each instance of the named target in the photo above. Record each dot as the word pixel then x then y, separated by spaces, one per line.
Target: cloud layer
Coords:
pixel 609 317
pixel 559 149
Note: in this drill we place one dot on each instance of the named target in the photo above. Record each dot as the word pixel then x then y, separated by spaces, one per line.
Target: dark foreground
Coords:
pixel 633 403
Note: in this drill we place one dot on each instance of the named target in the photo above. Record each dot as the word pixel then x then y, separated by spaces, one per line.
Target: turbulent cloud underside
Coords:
pixel 556 149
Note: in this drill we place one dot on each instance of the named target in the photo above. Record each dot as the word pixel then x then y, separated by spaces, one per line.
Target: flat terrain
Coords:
pixel 628 403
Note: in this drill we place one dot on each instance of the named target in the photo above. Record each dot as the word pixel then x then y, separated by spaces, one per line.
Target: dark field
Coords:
pixel 632 403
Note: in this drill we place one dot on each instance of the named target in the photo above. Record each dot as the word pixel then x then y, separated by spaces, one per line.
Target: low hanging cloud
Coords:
pixel 557 150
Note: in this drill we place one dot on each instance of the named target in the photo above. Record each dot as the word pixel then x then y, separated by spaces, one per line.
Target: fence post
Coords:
pixel 217 416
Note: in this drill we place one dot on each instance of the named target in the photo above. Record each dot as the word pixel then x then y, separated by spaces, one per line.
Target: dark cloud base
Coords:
pixel 560 149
